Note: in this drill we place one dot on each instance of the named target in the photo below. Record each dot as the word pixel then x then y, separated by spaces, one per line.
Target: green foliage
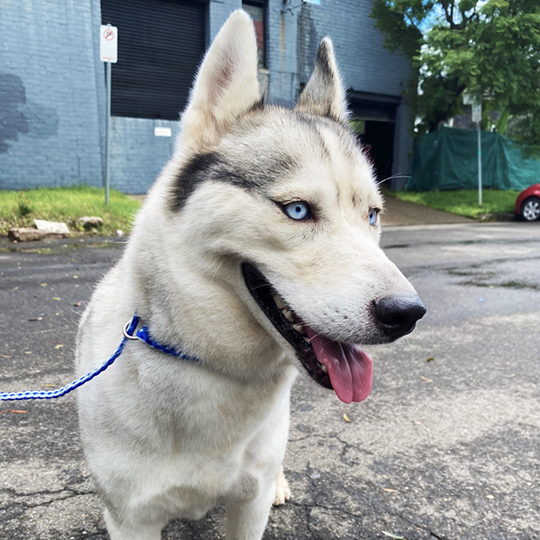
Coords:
pixel 24 205
pixel 490 49
pixel 399 22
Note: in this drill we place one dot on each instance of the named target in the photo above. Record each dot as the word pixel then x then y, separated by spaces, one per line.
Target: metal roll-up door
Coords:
pixel 160 46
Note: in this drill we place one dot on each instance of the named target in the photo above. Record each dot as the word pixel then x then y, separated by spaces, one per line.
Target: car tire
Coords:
pixel 530 209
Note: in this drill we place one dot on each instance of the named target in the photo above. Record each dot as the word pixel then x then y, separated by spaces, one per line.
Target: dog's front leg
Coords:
pixel 247 520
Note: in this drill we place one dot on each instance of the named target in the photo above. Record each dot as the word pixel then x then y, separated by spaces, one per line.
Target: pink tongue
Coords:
pixel 349 368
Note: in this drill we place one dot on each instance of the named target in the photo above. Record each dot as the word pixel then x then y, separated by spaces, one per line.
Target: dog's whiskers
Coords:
pixel 394 176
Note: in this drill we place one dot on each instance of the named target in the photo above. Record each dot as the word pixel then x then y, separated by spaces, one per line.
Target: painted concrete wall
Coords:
pixel 50 114
pixel 52 87
pixel 137 155
pixel 364 64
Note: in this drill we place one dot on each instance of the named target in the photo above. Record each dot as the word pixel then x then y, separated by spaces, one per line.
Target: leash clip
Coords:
pixel 125 331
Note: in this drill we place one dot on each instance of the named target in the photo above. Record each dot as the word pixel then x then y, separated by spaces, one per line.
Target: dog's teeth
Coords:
pixel 298 328
pixel 280 303
pixel 288 315
pixel 324 368
pixel 307 340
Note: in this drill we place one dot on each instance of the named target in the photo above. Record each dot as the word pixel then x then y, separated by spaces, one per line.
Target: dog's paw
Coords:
pixel 283 493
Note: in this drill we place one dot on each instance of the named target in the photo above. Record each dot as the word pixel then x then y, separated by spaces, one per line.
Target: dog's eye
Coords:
pixel 297 210
pixel 373 215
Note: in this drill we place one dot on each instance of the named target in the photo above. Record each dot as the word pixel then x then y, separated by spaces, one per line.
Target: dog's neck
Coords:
pixel 198 313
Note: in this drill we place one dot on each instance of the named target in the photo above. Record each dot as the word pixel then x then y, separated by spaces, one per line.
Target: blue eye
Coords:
pixel 373 214
pixel 297 210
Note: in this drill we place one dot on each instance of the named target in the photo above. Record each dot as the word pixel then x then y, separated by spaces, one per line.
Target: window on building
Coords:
pixel 256 11
pixel 160 46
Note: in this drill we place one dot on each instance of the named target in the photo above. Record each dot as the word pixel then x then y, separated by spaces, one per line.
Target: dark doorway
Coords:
pixel 373 119
pixel 379 138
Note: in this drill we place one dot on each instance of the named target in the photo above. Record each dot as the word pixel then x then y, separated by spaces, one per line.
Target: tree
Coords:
pixel 487 48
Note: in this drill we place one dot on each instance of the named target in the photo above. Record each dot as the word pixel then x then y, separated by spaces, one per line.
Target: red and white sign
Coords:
pixel 108 43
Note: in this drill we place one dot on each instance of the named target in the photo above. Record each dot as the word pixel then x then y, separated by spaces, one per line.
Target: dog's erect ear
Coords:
pixel 324 93
pixel 226 85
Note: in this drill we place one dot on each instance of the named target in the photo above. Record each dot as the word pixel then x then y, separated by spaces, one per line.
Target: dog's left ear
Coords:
pixel 226 86
pixel 324 93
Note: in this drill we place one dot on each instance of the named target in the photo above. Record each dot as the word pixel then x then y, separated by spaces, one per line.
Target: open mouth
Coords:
pixel 342 367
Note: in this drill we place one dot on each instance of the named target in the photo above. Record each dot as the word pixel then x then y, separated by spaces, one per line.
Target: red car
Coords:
pixel 528 203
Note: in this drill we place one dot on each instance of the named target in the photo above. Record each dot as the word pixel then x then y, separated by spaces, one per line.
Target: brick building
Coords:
pixel 52 82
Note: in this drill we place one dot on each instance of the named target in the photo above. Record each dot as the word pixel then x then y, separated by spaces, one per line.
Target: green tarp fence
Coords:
pixel 448 159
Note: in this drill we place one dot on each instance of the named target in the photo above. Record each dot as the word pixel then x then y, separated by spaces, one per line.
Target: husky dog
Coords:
pixel 256 252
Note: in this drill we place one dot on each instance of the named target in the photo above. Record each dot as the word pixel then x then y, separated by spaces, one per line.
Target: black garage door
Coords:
pixel 160 46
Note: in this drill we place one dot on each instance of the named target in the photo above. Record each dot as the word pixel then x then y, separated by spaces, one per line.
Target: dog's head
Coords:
pixel 283 208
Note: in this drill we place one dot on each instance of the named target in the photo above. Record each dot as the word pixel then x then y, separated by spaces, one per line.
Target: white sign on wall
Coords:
pixel 162 132
pixel 108 43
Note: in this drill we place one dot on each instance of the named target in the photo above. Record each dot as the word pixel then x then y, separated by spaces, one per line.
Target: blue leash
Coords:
pixel 129 329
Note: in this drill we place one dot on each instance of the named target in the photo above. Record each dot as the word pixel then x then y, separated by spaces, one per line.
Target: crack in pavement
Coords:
pixel 25 506
pixel 309 507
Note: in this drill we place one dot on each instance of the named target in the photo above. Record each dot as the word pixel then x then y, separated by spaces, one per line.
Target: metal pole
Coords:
pixel 479 165
pixel 107 136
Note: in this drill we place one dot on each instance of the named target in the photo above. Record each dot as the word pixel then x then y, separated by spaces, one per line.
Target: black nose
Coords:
pixel 398 314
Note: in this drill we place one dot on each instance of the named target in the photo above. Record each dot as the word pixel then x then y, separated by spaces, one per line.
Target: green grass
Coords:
pixel 20 208
pixel 463 202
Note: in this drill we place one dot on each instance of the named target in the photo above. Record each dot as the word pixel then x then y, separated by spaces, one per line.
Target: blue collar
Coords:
pixel 131 332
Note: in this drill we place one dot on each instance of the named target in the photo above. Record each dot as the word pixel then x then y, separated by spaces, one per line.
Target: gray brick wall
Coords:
pixel 52 87
pixel 364 64
pixel 218 12
pixel 137 154
pixel 50 117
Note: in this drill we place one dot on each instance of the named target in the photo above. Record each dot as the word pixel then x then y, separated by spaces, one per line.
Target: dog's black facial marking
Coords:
pixel 263 293
pixel 215 167
pixel 195 171
pixel 210 166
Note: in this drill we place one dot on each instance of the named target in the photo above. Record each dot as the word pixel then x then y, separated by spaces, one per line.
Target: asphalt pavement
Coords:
pixel 447 446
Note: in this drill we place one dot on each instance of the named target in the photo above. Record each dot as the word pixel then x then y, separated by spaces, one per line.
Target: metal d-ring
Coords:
pixel 126 335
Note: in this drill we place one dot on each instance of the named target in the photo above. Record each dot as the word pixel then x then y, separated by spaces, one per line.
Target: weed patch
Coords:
pixel 19 209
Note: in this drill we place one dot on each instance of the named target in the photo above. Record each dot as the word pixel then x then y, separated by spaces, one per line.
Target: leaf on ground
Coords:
pixel 430 359
pixel 13 411
pixel 346 418
pixel 49 386
pixel 14 288
pixel 56 298
pixel 43 284
pixel 59 346
pixel 4 356
pixel 388 490
pixel 27 352
pixel 394 536
pixel 425 379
